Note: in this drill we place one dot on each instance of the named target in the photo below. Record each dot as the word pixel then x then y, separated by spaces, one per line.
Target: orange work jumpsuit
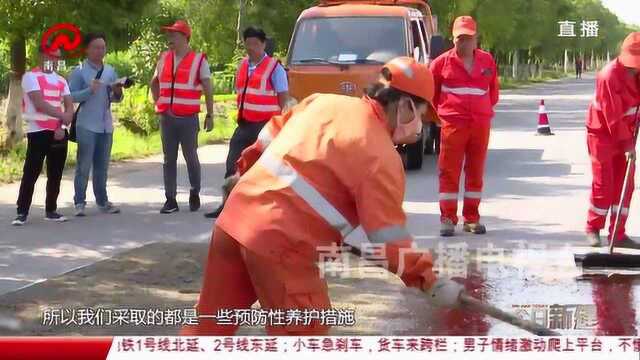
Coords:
pixel 610 127
pixel 464 102
pixel 304 186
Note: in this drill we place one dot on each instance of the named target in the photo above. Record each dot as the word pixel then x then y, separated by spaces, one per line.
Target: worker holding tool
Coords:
pixel 466 90
pixel 612 120
pixel 308 181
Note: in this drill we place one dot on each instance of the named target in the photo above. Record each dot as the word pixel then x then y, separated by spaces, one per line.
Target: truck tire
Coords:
pixel 432 141
pixel 415 153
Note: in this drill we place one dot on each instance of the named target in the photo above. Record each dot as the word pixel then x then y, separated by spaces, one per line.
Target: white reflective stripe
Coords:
pixel 543 126
pixel 464 90
pixel 448 196
pixel 473 195
pixel 194 69
pixel 267 74
pixel 625 211
pixel 186 87
pixel 311 196
pixel 261 108
pixel 167 100
pixel 601 212
pixel 542 109
pixel 391 233
pixel 51 93
pixel 36 117
pixel 264 137
pixel 261 92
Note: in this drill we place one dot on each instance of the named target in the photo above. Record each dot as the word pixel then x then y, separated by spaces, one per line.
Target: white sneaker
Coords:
pixel 80 210
pixel 109 208
pixel 19 220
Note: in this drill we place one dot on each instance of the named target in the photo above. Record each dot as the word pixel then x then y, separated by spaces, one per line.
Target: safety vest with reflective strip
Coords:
pixel 305 189
pixel 181 91
pixel 52 94
pixel 256 95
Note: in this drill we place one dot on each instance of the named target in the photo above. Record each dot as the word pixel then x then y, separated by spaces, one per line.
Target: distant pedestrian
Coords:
pixel 579 65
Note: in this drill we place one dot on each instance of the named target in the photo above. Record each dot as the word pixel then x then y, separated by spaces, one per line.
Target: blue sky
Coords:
pixel 626 10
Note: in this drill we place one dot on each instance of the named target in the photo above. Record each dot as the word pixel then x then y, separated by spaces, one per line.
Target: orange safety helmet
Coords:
pixel 410 76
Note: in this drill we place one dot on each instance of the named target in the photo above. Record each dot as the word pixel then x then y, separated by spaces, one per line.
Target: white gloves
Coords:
pixel 445 293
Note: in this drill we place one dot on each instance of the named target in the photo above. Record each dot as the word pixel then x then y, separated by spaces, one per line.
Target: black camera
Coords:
pixel 128 83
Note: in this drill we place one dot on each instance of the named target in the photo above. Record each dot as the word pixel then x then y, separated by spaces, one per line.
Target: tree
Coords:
pixel 26 20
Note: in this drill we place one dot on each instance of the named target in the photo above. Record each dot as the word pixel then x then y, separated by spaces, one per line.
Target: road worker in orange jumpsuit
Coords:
pixel 466 90
pixel 611 122
pixel 315 173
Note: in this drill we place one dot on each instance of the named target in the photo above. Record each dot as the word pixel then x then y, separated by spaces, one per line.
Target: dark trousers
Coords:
pixel 41 145
pixel 181 131
pixel 244 136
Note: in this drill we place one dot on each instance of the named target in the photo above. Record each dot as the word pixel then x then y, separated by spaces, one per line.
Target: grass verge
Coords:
pixel 126 145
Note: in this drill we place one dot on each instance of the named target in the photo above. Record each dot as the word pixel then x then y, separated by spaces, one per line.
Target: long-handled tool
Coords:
pixel 611 260
pixel 468 302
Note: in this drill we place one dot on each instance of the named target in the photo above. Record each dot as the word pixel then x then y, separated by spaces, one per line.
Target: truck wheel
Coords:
pixel 415 153
pixel 432 142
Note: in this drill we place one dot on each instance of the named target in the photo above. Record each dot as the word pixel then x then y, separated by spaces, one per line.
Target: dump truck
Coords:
pixel 339 47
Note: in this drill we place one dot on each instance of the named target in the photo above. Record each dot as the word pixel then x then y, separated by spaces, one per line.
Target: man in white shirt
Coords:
pixel 44 92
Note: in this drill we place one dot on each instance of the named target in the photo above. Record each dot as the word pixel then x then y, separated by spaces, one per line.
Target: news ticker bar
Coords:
pixel 332 347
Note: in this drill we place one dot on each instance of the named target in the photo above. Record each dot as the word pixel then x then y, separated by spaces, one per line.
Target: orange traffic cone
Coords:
pixel 543 120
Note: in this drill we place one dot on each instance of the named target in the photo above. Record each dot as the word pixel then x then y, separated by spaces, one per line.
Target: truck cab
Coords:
pixel 339 47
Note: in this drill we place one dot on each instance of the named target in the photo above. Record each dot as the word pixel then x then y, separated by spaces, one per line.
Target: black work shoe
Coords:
pixel 593 238
pixel 170 206
pixel 474 228
pixel 447 228
pixel 215 213
pixel 20 220
pixel 54 217
pixel 626 243
pixel 194 201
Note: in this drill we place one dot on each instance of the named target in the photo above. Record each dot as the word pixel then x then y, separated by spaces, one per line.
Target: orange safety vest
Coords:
pixel 181 91
pixel 256 96
pixel 52 94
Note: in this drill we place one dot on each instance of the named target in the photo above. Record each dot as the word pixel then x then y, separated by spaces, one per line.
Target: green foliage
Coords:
pixel 122 62
pixel 4 68
pixel 136 112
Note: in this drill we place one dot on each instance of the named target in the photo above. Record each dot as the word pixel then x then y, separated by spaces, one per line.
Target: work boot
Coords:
pixel 594 239
pixel 447 228
pixel 215 213
pixel 474 228
pixel 626 243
